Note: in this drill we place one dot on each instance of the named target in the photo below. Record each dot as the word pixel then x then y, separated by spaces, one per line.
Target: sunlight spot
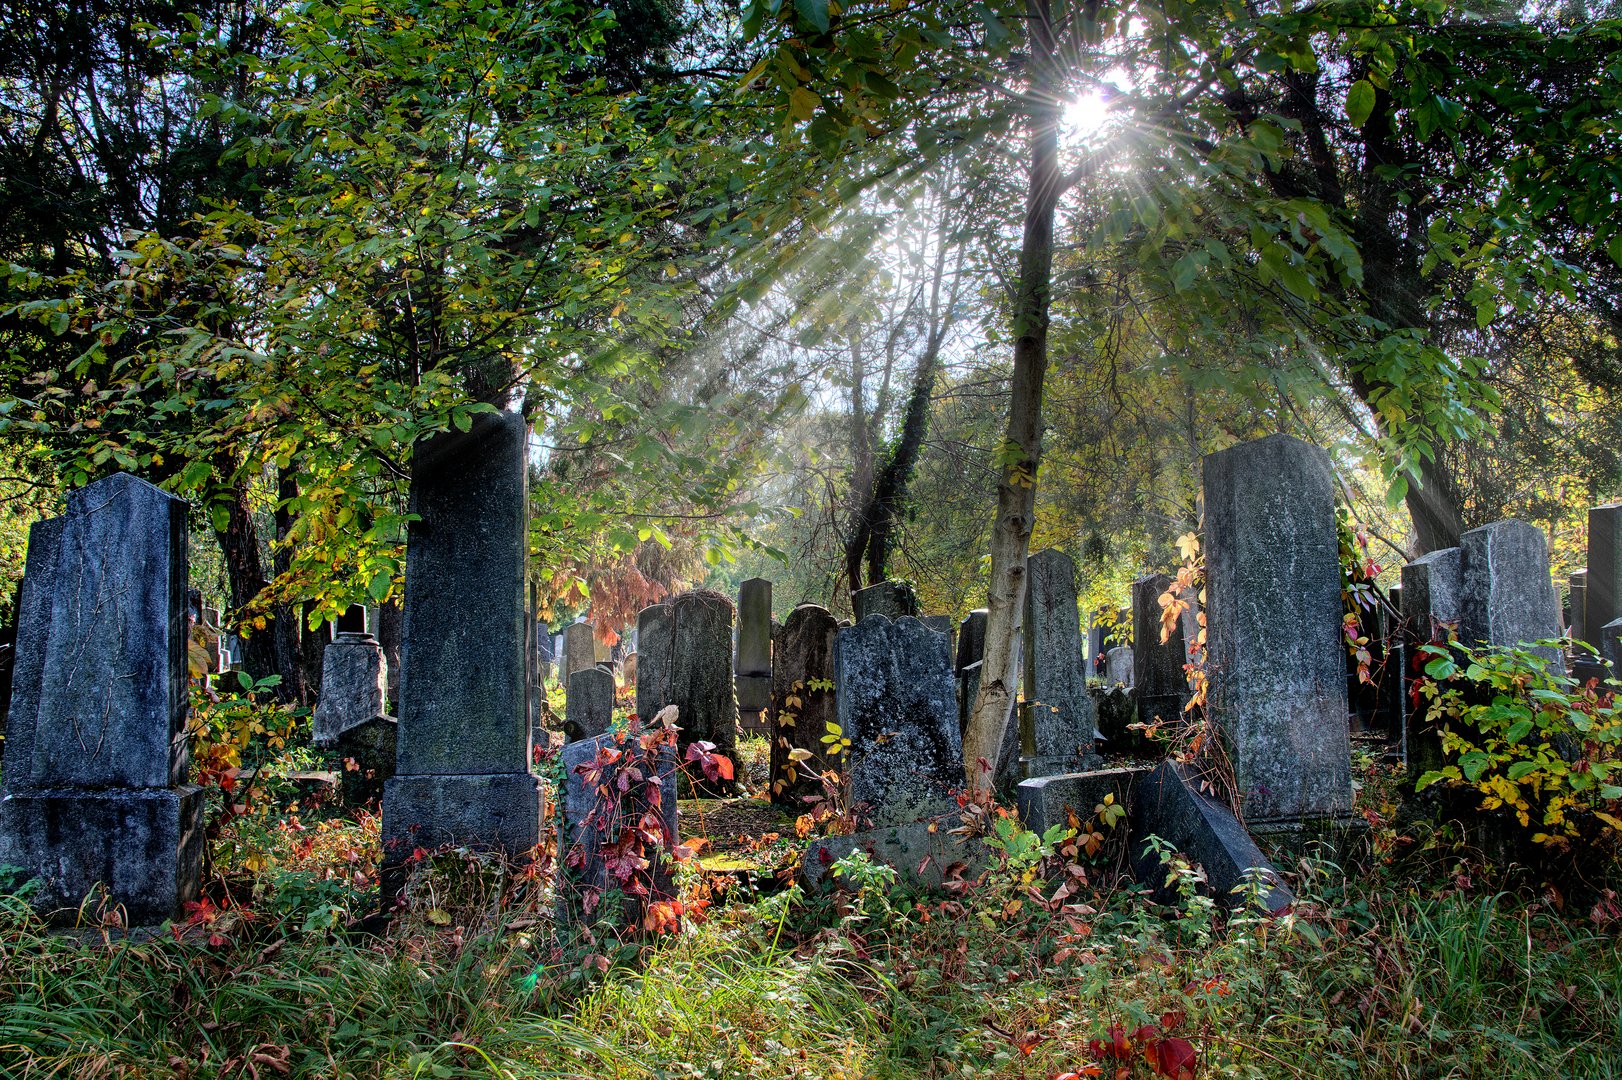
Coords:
pixel 1084 117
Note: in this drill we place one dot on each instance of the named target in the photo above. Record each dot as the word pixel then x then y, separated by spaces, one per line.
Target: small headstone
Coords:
pixel 1507 595
pixel 579 648
pixel 96 751
pixel 1432 602
pixel 655 646
pixel 1045 801
pixel 1602 593
pixel 599 815
pixel 352 621
pixel 892 599
pixel 1063 724
pixel 753 661
pixel 971 638
pixel 898 708
pixel 354 683
pixel 1095 650
pixel 366 754
pixel 1118 666
pixel 687 662
pixel 1611 646
pixel 464 736
pixel 802 705
pixel 1579 606
pixel 1158 678
pixel 1273 611
pixel 590 709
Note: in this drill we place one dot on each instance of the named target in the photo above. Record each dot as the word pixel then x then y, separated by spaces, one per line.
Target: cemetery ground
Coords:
pixel 1410 960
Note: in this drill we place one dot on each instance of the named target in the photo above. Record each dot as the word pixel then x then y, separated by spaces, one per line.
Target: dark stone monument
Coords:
pixel 1579 605
pixel 96 753
pixel 1118 666
pixel 354 685
pixel 598 815
pixel 655 650
pixel 366 754
pixel 1158 679
pixel 897 706
pixel 1611 646
pixel 892 599
pixel 1045 801
pixel 753 663
pixel 590 710
pixel 1432 604
pixel 971 648
pixel 1063 722
pixel 1507 597
pixel 464 738
pixel 352 621
pixel 1273 609
pixel 803 704
pixel 1602 593
pixel 1168 803
pixel 685 659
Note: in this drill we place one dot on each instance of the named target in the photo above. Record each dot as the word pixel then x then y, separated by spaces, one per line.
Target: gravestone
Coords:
pixel 462 770
pixel 208 619
pixel 753 661
pixel 628 670
pixel 686 660
pixel 96 751
pixel 803 704
pixel 1273 621
pixel 1611 646
pixel 1158 678
pixel 1602 593
pixel 352 621
pixel 1579 605
pixel 1095 650
pixel 1063 723
pixel 1118 666
pixel 1507 596
pixel 897 706
pixel 590 709
pixel 1432 603
pixel 579 648
pixel 367 754
pixel 390 627
pixel 598 815
pixel 892 599
pixel 971 648
pixel 354 685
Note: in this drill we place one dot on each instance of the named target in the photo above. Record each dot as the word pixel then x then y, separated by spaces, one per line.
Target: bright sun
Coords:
pixel 1085 116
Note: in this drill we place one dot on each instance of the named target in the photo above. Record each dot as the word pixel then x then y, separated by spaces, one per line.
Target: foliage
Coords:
pixel 238 738
pixel 1528 739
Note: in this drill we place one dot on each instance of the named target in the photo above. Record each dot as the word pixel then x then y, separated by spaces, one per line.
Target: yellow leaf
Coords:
pixel 802 103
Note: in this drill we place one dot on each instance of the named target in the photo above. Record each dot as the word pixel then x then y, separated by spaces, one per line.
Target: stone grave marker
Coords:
pixel 897 706
pixel 1158 677
pixel 1602 584
pixel 96 752
pixel 354 685
pixel 803 704
pixel 685 660
pixel 579 648
pixel 753 661
pixel 1118 666
pixel 971 648
pixel 1432 603
pixel 892 599
pixel 590 706
pixel 1276 661
pixel 1579 606
pixel 1062 720
pixel 1507 596
pixel 464 737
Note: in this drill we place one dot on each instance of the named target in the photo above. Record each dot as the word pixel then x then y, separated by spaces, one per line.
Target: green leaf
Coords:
pixel 379 586
pixel 1473 764
pixel 1519 732
pixel 1360 102
pixel 814 12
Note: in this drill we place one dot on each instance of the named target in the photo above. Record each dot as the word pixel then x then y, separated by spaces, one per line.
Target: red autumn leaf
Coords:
pixel 1175 1059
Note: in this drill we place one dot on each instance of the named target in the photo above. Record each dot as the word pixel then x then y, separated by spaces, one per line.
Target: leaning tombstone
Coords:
pixel 1273 611
pixel 753 661
pixel 590 709
pixel 892 599
pixel 464 739
pixel 1062 721
pixel 96 748
pixel 619 828
pixel 802 704
pixel 354 685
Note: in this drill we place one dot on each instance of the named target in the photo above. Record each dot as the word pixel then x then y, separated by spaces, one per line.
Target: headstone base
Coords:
pixel 144 846
pixel 497 811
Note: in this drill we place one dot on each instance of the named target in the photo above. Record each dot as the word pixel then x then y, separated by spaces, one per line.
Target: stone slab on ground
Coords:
pixel 922 852
pixel 1166 802
pixel 1045 801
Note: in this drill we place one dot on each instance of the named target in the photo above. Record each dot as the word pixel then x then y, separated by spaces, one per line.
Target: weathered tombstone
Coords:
pixel 1095 650
pixel 686 661
pixel 367 752
pixel 1045 801
pixel 1579 605
pixel 971 647
pixel 464 737
pixel 1273 611
pixel 1063 722
pixel 1158 678
pixel 352 621
pixel 892 599
pixel 590 708
pixel 1507 596
pixel 897 707
pixel 579 648
pixel 753 660
pixel 209 620
pixel 598 815
pixel 628 670
pixel 803 703
pixel 390 627
pixel 96 751
pixel 1602 593
pixel 1118 666
pixel 354 685
pixel 1432 602
pixel 1611 646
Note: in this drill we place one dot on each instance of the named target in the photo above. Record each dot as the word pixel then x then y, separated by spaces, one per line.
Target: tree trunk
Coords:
pixel 245 574
pixel 1021 452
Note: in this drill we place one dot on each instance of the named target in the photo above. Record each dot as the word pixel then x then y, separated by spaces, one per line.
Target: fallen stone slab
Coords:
pixel 923 853
pixel 1167 802
pixel 1045 801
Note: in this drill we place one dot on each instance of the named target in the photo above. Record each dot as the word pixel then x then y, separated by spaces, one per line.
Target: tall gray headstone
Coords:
pixel 96 752
pixel 753 662
pixel 354 686
pixel 1158 673
pixel 655 649
pixel 971 648
pixel 1507 596
pixel 685 660
pixel 892 599
pixel 897 706
pixel 1579 605
pixel 1273 624
pixel 590 708
pixel 464 737
pixel 803 703
pixel 1063 719
pixel 1432 603
pixel 1602 597
pixel 579 648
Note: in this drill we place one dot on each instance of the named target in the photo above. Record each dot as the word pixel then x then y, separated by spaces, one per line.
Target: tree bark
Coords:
pixel 1022 450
